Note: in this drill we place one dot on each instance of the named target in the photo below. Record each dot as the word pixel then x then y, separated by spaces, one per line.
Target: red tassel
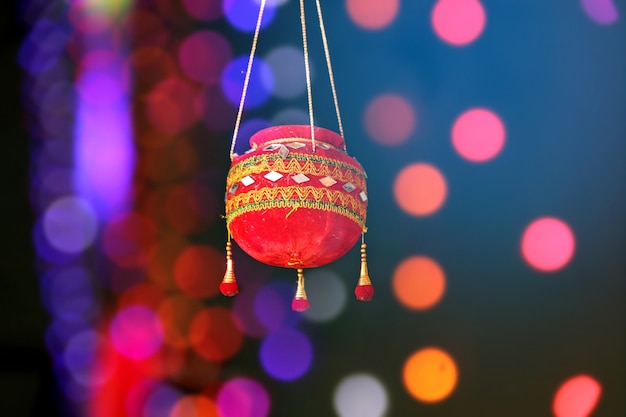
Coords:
pixel 229 288
pixel 364 292
pixel 300 305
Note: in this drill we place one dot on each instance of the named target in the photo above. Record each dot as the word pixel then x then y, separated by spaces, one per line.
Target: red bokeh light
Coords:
pixel 214 334
pixel 577 397
pixel 168 106
pixel 199 270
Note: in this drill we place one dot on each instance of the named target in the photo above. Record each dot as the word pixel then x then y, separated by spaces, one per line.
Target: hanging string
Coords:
pixel 330 70
pixel 247 79
pixel 307 70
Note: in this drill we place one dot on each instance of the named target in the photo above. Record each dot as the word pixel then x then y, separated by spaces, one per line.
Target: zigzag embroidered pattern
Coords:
pixel 296 204
pixel 327 167
pixel 320 198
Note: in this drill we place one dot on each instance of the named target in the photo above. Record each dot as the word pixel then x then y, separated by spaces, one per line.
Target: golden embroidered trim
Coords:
pixel 296 197
pixel 327 167
pixel 294 205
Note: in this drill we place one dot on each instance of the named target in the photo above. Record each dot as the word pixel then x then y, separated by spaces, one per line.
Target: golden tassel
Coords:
pixel 364 290
pixel 229 286
pixel 300 302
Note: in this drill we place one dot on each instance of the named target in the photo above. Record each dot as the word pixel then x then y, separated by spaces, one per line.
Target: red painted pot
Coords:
pixel 290 205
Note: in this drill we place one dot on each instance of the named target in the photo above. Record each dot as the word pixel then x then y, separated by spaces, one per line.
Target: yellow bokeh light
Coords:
pixel 110 8
pixel 430 375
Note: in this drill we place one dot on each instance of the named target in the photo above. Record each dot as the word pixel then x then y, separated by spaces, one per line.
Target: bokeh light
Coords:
pixel 420 189
pixel 155 64
pixel 291 116
pixel 419 283
pixel 430 375
pixel 390 119
pixel 214 334
pixel 243 397
pixel 478 135
pixel 360 395
pixel 146 28
pixel 286 354
pixel 458 22
pixel 372 14
pixel 176 313
pixel 128 239
pixel 37 60
pixel 260 86
pixel 272 306
pixel 207 10
pixel 246 130
pixel 161 401
pixel 195 406
pixel 327 294
pixel 167 106
pixel 287 64
pixel 81 358
pixel 199 270
pixel 603 12
pixel 245 314
pixel 70 295
pixel 243 14
pixel 70 224
pixel 548 244
pixel 577 397
pixel 203 56
pixel 215 110
pixel 136 332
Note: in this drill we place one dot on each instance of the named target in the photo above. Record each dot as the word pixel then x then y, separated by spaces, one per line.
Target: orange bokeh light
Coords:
pixel 162 260
pixel 176 313
pixel 420 189
pixel 199 270
pixel 419 283
pixel 430 375
pixel 195 406
pixel 372 14
pixel 577 397
pixel 215 335
pixel 390 119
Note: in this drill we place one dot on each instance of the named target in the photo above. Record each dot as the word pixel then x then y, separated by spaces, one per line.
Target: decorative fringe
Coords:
pixel 364 290
pixel 300 302
pixel 229 286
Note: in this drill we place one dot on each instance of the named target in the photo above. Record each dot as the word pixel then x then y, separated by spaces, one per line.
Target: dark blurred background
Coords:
pixel 553 72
